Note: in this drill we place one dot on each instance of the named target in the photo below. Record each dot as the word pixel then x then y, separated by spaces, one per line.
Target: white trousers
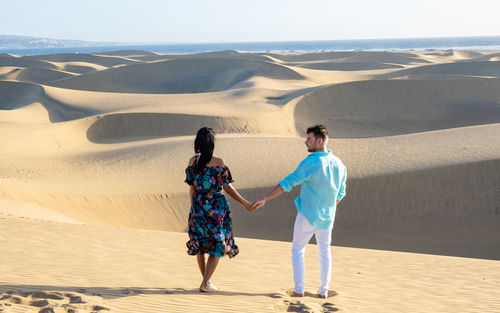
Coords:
pixel 302 233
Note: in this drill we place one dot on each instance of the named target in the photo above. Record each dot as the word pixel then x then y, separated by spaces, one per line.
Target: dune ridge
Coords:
pixel 475 68
pixel 24 62
pixel 178 76
pixel 102 60
pixel 37 75
pixel 17 95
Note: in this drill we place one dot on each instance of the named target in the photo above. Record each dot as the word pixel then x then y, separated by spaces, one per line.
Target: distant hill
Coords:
pixel 24 42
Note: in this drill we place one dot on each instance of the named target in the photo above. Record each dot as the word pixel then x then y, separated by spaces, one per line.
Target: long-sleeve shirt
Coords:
pixel 323 177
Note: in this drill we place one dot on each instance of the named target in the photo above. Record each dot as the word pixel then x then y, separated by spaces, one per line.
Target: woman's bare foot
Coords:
pixel 212 286
pixel 299 295
pixel 322 296
pixel 209 287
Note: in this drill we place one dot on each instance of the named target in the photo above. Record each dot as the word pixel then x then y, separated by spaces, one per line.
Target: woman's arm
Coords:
pixel 230 190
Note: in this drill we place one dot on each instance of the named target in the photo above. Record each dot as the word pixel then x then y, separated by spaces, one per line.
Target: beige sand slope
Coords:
pixel 36 75
pixel 103 139
pixel 400 106
pixel 102 269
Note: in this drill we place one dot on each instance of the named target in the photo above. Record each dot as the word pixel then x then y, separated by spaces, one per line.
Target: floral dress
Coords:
pixel 209 225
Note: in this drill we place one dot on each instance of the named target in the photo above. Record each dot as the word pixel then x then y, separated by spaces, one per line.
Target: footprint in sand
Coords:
pixel 276 295
pixel 299 306
pixel 46 295
pixel 305 304
pixel 5 297
pixel 174 291
pixel 292 306
pixel 51 302
pixel 131 292
pixel 329 307
pixel 331 293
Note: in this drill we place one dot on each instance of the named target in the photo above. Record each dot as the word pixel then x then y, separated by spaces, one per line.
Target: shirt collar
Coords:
pixel 321 153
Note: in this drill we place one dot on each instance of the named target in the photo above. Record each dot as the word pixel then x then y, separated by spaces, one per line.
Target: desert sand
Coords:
pixel 93 204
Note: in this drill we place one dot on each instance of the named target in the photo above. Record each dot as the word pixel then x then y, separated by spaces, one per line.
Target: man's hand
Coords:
pixel 258 204
pixel 271 195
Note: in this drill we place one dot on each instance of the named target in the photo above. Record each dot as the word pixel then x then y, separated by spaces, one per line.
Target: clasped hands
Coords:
pixel 252 207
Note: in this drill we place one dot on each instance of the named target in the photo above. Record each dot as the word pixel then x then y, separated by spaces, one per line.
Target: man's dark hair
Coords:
pixel 319 131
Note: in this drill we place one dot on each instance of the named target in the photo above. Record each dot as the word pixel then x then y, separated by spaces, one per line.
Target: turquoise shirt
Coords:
pixel 322 176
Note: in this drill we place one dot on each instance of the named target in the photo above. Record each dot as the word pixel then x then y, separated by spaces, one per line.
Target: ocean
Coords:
pixel 456 43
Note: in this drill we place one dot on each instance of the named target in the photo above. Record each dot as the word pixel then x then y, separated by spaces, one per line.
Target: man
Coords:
pixel 322 177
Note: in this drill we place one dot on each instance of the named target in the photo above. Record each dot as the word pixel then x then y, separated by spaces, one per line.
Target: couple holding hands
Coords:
pixel 322 177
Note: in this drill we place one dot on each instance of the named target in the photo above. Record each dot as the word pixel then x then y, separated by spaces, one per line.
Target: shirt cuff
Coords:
pixel 286 187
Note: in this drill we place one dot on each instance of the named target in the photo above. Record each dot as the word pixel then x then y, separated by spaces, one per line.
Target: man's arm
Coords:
pixel 301 173
pixel 341 193
pixel 276 192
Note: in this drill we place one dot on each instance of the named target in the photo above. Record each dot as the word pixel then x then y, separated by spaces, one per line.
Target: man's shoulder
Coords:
pixel 312 162
pixel 338 162
pixel 336 158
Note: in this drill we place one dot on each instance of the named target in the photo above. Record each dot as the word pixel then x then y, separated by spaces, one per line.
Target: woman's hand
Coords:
pixel 258 204
pixel 248 206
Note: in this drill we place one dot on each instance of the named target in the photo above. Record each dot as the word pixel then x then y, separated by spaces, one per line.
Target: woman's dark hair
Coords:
pixel 204 146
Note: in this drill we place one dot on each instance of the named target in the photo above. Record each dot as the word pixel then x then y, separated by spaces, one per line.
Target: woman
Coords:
pixel 210 231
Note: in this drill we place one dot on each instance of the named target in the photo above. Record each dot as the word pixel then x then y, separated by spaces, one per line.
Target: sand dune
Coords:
pixel 24 62
pixel 145 56
pixel 134 126
pixel 107 61
pixel 488 56
pixel 337 66
pixel 388 107
pixel 403 163
pixel 14 95
pixel 177 76
pixel 80 67
pixel 6 70
pixel 94 147
pixel 127 53
pixel 32 211
pixel 354 57
pixel 482 68
pixel 444 56
pixel 38 75
pixel 230 54
pixel 466 55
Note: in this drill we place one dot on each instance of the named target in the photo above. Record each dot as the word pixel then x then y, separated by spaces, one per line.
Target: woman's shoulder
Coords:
pixel 192 160
pixel 214 162
pixel 217 161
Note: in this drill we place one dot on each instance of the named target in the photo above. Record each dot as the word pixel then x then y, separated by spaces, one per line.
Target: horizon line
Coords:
pixel 254 41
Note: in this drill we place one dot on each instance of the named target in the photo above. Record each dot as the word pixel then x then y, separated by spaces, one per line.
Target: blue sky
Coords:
pixel 243 20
